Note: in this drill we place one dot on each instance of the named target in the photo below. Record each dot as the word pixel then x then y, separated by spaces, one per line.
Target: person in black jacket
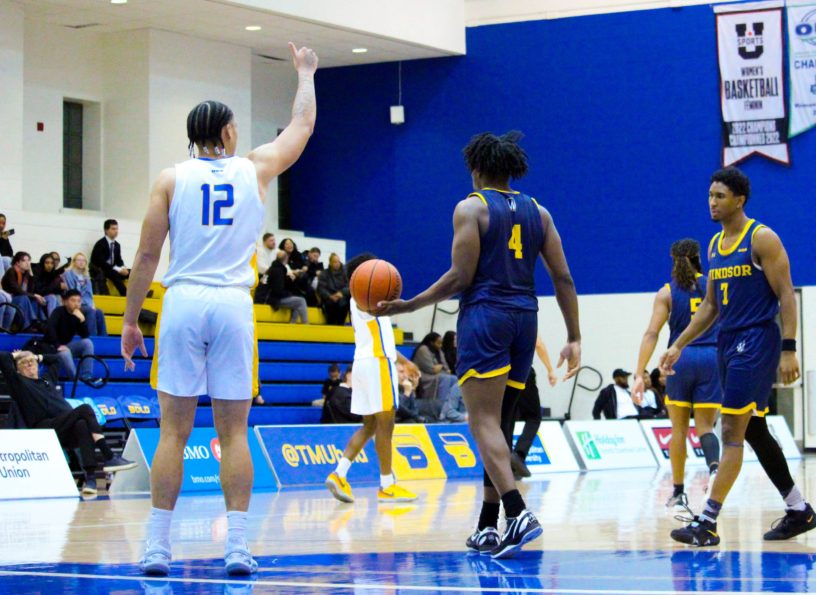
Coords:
pixel 333 289
pixel 337 408
pixel 42 406
pixel 615 401
pixel 272 290
pixel 19 284
pixel 66 323
pixel 48 282
pixel 106 257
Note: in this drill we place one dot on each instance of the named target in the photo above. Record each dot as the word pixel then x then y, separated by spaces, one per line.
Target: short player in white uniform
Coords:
pixel 212 208
pixel 374 395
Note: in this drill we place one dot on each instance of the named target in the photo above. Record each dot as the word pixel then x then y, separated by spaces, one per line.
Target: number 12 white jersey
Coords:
pixel 215 218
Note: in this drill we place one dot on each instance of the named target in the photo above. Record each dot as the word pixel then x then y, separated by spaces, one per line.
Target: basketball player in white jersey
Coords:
pixel 212 206
pixel 374 395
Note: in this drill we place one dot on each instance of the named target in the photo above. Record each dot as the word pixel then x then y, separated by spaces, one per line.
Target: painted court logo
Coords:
pixel 588 446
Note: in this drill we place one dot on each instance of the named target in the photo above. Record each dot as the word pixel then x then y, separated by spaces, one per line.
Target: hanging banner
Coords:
pixel 802 67
pixel 752 85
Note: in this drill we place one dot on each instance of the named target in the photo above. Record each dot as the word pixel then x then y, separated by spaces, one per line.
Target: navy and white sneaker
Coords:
pixel 520 530
pixel 484 541
pixel 118 463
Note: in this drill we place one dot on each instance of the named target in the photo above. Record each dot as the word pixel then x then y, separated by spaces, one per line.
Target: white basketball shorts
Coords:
pixel 373 386
pixel 206 343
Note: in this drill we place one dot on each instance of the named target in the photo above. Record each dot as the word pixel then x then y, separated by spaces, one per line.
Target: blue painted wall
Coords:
pixel 621 114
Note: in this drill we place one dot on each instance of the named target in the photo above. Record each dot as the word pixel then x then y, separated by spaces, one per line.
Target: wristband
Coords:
pixel 788 344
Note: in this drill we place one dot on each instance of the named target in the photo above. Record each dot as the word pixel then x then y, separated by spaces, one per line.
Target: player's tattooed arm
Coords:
pixel 660 314
pixel 770 254
pixel 272 159
pixel 706 314
pixel 464 260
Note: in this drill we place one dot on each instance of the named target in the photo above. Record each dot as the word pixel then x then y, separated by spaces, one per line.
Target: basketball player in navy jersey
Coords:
pixel 695 382
pixel 498 236
pixel 212 207
pixel 749 282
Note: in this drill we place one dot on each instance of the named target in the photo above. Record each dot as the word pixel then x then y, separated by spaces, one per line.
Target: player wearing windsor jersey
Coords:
pixel 212 207
pixel 749 283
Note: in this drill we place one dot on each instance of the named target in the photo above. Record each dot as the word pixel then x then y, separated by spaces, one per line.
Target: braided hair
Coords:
pixel 205 122
pixel 686 256
pixel 496 157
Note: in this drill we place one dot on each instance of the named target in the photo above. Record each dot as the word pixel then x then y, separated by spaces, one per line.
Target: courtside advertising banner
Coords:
pixel 202 463
pixel 752 84
pixel 32 465
pixel 802 67
pixel 456 450
pixel 609 444
pixel 550 451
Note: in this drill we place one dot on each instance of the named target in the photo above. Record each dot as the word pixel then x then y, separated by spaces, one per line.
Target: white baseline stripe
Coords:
pixel 353 586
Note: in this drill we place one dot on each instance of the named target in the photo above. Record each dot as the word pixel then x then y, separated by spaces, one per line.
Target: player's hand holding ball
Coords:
pixel 304 59
pixel 375 286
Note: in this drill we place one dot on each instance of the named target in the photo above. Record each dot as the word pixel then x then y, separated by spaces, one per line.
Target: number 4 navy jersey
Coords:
pixel 508 253
pixel 684 304
pixel 215 218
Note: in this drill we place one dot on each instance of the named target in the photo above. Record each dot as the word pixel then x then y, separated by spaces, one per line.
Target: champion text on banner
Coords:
pixel 802 67
pixel 752 85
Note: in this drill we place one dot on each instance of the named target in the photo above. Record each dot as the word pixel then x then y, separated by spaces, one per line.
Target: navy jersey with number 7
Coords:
pixel 509 249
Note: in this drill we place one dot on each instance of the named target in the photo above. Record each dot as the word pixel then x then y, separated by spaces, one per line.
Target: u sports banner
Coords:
pixel 609 444
pixel 202 462
pixel 550 451
pixel 752 84
pixel 802 67
pixel 306 455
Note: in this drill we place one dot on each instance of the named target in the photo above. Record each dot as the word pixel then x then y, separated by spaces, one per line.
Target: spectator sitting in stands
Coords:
pixel 449 349
pixel 333 288
pixel 652 405
pixel 77 277
pixel 337 408
pixel 314 270
pixel 615 401
pixel 107 258
pixel 60 268
pixel 18 283
pixel 329 384
pixel 41 405
pixel 408 409
pixel 266 253
pixel 47 282
pixel 6 251
pixel 64 324
pixel 437 381
pixel 272 290
pixel 659 384
pixel 6 313
pixel 298 284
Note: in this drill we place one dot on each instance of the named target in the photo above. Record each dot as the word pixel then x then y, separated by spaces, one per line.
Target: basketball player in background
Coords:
pixel 748 279
pixel 695 383
pixel 498 235
pixel 374 395
pixel 212 206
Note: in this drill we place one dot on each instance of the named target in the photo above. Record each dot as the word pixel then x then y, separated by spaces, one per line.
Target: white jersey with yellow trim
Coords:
pixel 373 335
pixel 215 218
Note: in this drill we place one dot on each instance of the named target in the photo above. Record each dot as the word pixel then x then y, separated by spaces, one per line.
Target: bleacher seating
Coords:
pixel 293 364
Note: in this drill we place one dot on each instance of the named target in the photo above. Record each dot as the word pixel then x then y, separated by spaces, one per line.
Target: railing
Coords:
pixel 576 385
pixel 443 311
pixel 92 382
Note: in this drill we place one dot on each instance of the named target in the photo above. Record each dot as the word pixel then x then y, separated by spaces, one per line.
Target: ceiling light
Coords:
pixel 118 1
pixel 253 28
pixel 359 50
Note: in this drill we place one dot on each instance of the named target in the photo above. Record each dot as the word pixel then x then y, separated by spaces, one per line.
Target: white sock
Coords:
pixel 386 481
pixel 343 466
pixel 794 500
pixel 236 526
pixel 158 530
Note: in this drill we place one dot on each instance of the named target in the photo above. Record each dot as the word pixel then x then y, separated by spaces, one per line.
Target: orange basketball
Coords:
pixel 373 282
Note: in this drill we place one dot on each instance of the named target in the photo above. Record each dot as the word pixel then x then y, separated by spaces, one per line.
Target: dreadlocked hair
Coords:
pixel 686 256
pixel 496 157
pixel 205 122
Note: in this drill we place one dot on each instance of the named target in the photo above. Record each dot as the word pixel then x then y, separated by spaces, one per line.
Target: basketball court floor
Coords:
pixel 604 532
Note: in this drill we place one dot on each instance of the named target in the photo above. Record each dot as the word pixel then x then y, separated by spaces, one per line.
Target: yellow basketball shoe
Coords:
pixel 339 488
pixel 395 493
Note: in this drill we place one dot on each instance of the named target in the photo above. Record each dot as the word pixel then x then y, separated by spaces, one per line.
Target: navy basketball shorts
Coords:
pixel 493 341
pixel 748 361
pixel 696 379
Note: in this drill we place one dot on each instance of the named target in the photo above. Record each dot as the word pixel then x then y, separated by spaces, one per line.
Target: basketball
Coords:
pixel 373 282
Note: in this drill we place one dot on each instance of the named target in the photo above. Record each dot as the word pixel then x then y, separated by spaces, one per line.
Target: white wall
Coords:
pixel 11 104
pixel 431 23
pixel 808 351
pixel 486 12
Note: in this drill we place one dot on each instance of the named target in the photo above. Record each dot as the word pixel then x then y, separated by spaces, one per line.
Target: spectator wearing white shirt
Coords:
pixel 266 253
pixel 615 401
